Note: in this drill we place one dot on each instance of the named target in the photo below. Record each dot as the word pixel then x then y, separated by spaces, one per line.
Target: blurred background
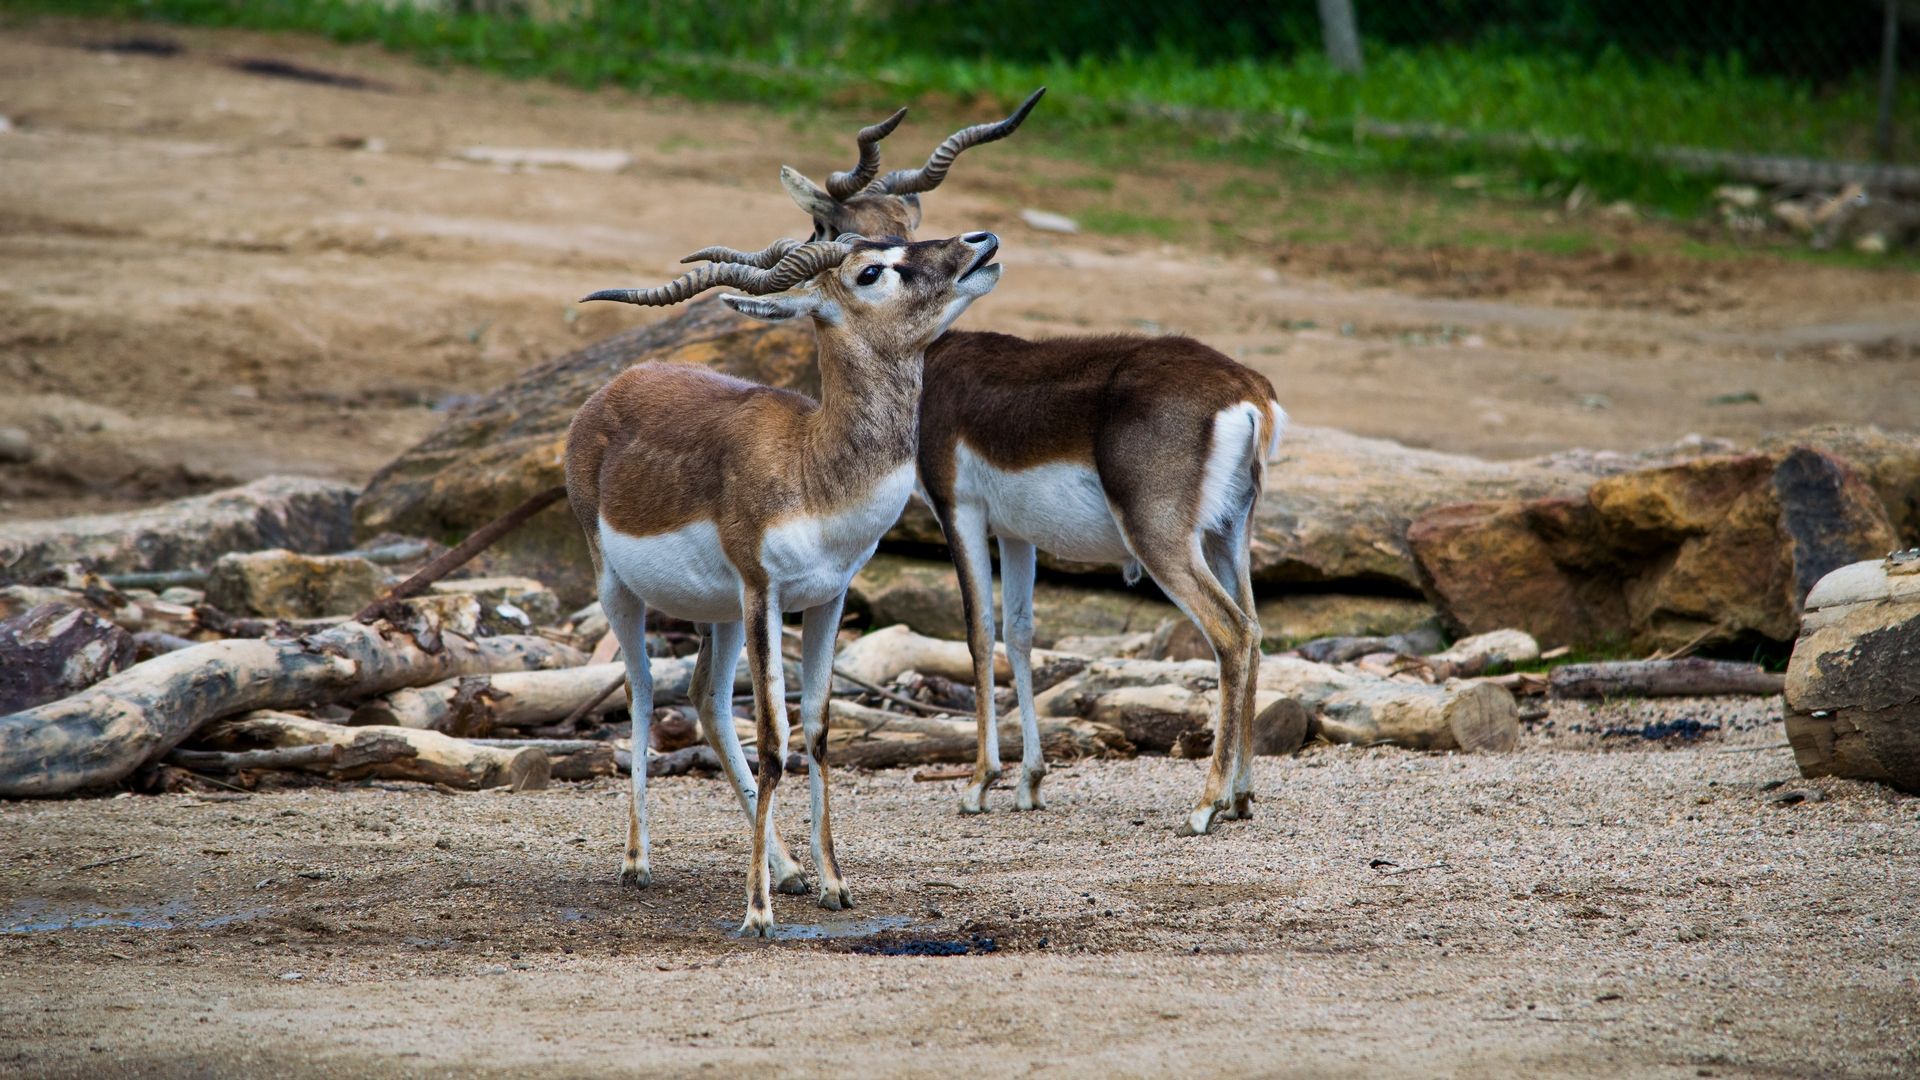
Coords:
pixel 1652 100
pixel 298 235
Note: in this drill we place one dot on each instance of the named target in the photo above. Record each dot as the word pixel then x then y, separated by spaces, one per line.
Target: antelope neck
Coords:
pixel 868 420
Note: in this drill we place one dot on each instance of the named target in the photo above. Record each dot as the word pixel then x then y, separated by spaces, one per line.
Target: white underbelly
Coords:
pixel 1059 507
pixel 808 561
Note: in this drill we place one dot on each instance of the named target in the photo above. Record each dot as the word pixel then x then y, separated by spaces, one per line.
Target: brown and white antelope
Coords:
pixel 1150 452
pixel 727 503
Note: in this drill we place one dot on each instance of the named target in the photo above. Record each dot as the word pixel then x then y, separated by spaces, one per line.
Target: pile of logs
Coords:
pixel 432 684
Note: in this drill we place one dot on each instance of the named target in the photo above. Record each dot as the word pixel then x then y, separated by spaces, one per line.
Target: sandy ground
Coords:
pixel 207 274
pixel 1643 911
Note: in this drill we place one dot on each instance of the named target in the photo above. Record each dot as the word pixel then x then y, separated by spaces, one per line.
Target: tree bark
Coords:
pixel 1853 688
pixel 1341 34
pixel 571 759
pixel 52 650
pixel 97 737
pixel 320 755
pixel 435 758
pixel 1691 677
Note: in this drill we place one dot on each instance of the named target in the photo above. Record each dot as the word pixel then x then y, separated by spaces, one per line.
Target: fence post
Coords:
pixel 1889 82
pixel 1342 37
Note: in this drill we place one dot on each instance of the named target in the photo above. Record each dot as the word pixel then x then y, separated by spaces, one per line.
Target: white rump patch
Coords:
pixel 1226 485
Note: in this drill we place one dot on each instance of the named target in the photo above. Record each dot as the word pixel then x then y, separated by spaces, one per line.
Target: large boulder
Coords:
pixel 54 650
pixel 1335 513
pixel 493 454
pixel 924 594
pixel 281 584
pixel 294 512
pixel 1716 549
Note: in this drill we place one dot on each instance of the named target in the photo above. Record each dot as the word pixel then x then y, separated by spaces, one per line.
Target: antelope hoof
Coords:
pixel 1242 807
pixel 834 897
pixel 759 924
pixel 794 884
pixel 1026 795
pixel 974 799
pixel 1200 822
pixel 637 874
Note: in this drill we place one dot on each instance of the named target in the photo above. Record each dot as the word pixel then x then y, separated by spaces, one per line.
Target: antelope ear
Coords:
pixel 810 196
pixel 776 308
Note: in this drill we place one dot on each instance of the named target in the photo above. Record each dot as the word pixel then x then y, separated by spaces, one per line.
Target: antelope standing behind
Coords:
pixel 1149 452
pixel 727 503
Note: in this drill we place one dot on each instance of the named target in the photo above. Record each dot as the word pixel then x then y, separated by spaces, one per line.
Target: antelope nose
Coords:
pixel 980 238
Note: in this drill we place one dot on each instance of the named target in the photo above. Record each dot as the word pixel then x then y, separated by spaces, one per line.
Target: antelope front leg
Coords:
pixel 1016 601
pixel 770 726
pixel 712 692
pixel 818 629
pixel 966 529
pixel 627 615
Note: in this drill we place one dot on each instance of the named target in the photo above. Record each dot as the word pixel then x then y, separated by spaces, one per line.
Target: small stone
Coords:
pixel 521 965
pixel 493 969
pixel 291 976
pixel 184 596
pixel 16 446
pixel 1048 221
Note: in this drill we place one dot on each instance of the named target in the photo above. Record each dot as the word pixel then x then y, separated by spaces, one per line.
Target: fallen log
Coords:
pixel 323 755
pixel 1154 702
pixel 1853 689
pixel 97 737
pixel 854 725
pixel 53 650
pixel 880 656
pixel 570 759
pixel 434 758
pixel 1474 717
pixel 1691 677
pixel 476 704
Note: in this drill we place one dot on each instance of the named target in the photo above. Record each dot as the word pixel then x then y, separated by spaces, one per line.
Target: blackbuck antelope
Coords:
pixel 727 503
pixel 1147 452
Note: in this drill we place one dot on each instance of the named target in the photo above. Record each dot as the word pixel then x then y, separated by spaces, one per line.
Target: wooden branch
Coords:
pixel 426 756
pixel 479 540
pixel 97 737
pixel 1692 677
pixel 1475 717
pixel 324 755
pixel 476 704
pixel 571 759
pixel 880 656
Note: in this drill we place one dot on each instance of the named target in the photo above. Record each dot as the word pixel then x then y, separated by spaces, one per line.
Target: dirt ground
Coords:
pixel 211 274
pixel 1563 910
pixel 207 275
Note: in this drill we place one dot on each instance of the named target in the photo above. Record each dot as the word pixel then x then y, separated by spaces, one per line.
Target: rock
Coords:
pixel 1336 510
pixel 1281 728
pixel 1889 463
pixel 924 594
pixel 1494 648
pixel 293 512
pixel 489 457
pixel 1853 683
pixel 1291 618
pixel 607 161
pixel 16 446
pixel 282 585
pixel 1121 646
pixel 54 650
pixel 1048 221
pixel 1708 550
pixel 535 600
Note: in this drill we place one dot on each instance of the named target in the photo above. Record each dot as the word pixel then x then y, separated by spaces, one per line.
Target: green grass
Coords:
pixel 814 53
pixel 1113 222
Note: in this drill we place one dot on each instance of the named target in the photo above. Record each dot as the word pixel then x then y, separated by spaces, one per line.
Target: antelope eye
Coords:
pixel 869 274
